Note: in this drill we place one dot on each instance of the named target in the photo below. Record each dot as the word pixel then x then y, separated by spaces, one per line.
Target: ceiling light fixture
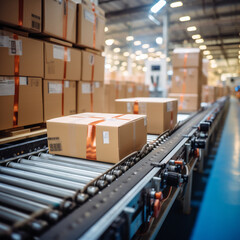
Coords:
pixel 206 52
pixel 109 42
pixel 176 4
pixel 129 38
pixel 203 47
pixel 145 46
pixel 116 50
pixel 126 54
pixel 137 43
pixel 199 40
pixel 158 6
pixel 116 62
pixel 196 36
pixel 153 19
pixel 184 19
pixel 159 40
pixel 105 29
pixel 191 29
pixel 139 52
pixel 151 50
pixel 209 57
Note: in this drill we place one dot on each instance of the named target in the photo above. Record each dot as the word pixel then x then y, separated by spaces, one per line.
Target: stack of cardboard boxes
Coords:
pixel 187 78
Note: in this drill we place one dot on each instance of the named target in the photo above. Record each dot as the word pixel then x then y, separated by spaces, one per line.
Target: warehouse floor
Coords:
pixel 215 205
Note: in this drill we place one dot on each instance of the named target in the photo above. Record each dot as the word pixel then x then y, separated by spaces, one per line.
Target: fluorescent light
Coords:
pixel 184 19
pixel 138 58
pixel 157 7
pixel 132 55
pixel 176 4
pixel 159 53
pixel 206 52
pixel 144 56
pixel 153 19
pixel 124 64
pixel 109 42
pixel 103 54
pixel 122 68
pixel 134 64
pixel 151 50
pixel 139 67
pixel 168 59
pixel 115 57
pixel 116 62
pixel 209 57
pixel 139 52
pixel 214 65
pixel 126 54
pixel 129 38
pixel 137 43
pixel 163 56
pixel 239 56
pixel 203 47
pixel 199 40
pixel 144 69
pixel 105 29
pixel 108 66
pixel 116 50
pixel 159 40
pixel 145 46
pixel 196 36
pixel 191 29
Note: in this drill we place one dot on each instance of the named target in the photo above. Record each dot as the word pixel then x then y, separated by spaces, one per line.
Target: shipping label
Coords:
pixel 86 88
pixel 169 106
pixel 130 89
pixel 58 53
pixel 23 81
pixel 7 86
pixel 106 137
pixel 142 108
pixel 66 84
pixel 54 88
pixel 4 41
pixel 91 59
pixel 89 16
pixel 129 107
pixel 97 85
pixel 15 47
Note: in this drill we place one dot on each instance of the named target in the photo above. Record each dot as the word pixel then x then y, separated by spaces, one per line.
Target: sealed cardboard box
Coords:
pixel 161 112
pixel 28 53
pixel 26 14
pixel 186 80
pixel 90 97
pixel 208 94
pixel 89 35
pixel 187 57
pixel 106 98
pixel 92 67
pixel 116 136
pixel 146 91
pixel 29 102
pixel 187 102
pixel 139 90
pixel 59 19
pixel 55 58
pixel 59 101
pixel 130 90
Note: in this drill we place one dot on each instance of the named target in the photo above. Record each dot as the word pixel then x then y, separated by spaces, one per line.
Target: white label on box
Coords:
pixel 129 107
pixel 23 81
pixel 54 88
pixel 140 87
pixel 169 106
pixel 86 88
pixel 15 47
pixel 58 53
pixel 142 108
pixel 7 86
pixel 89 16
pixel 4 41
pixel 130 89
pixel 106 137
pixel 97 85
pixel 145 121
pixel 91 59
pixel 66 84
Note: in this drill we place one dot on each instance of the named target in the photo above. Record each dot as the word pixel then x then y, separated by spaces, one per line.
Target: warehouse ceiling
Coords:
pixel 217 21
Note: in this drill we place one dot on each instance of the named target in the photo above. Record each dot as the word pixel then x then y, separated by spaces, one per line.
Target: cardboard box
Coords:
pixel 85 26
pixel 30 18
pixel 139 90
pixel 187 102
pixel 84 92
pixel 187 57
pixel 146 91
pixel 130 90
pixel 59 19
pixel 54 62
pixel 116 136
pixel 191 77
pixel 92 66
pixel 53 95
pixel 161 112
pixel 107 98
pixel 30 109
pixel 30 52
pixel 208 94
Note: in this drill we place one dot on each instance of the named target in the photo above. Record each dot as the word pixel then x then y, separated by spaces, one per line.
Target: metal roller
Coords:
pixel 39 187
pixel 4 229
pixel 82 162
pixel 49 172
pixel 59 168
pixel 29 206
pixel 42 178
pixel 18 217
pixel 35 196
pixel 71 165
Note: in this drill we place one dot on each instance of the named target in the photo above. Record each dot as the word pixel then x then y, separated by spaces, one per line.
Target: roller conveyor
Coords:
pixel 46 187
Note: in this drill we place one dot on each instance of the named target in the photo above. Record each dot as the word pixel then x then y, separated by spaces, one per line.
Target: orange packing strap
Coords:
pixel 64 76
pixel 91 137
pixel 65 17
pixel 20 12
pixel 135 107
pixel 94 25
pixel 16 94
pixel 184 81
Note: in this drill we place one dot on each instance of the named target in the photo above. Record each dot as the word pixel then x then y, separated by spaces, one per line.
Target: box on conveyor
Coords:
pixel 90 97
pixel 187 102
pixel 21 54
pixel 92 67
pixel 90 26
pixel 208 94
pixel 56 56
pixel 59 98
pixel 59 19
pixel 161 112
pixel 97 136
pixel 26 14
pixel 20 106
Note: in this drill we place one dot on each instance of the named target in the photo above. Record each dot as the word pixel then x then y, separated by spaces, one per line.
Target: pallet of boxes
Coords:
pixel 187 79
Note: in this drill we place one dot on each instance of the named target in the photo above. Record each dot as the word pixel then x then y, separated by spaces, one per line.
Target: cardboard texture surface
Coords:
pixel 116 135
pixel 30 52
pixel 208 94
pixel 161 112
pixel 30 108
pixel 54 62
pixel 55 16
pixel 52 98
pixel 31 14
